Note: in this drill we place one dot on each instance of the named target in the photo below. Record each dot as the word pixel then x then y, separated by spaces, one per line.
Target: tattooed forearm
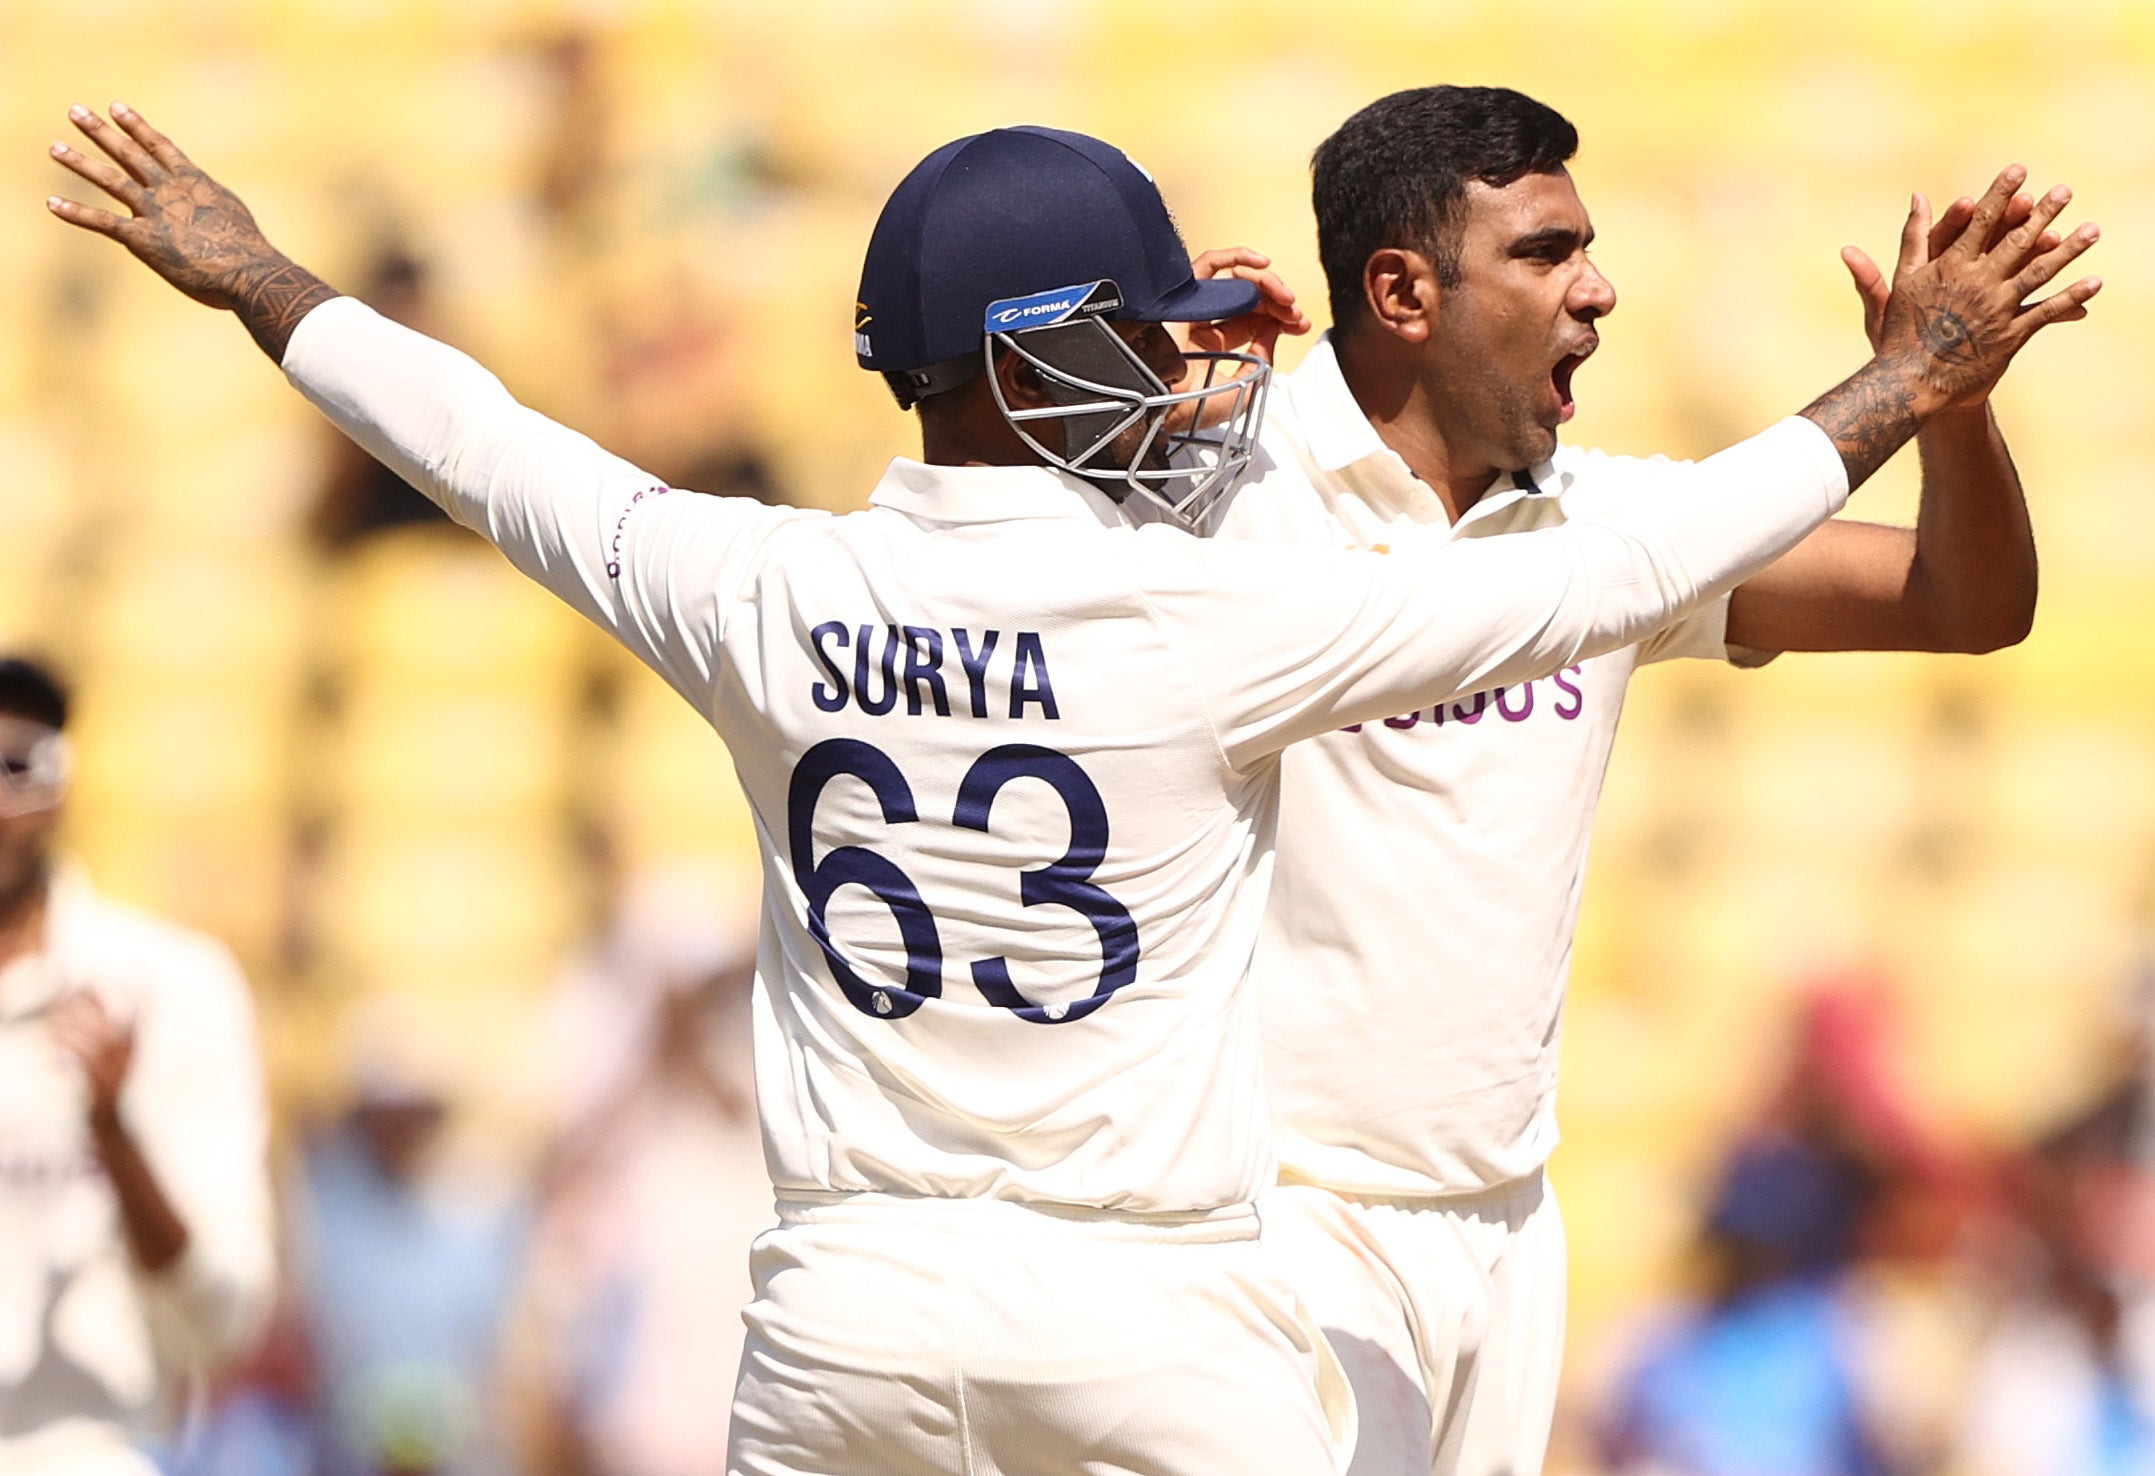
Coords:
pixel 271 296
pixel 1870 415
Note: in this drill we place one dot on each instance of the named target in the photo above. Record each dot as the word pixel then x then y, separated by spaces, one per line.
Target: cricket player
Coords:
pixel 1413 963
pixel 135 1227
pixel 1013 764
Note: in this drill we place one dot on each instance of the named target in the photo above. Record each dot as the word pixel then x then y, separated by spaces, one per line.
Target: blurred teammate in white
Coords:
pixel 1013 763
pixel 1429 865
pixel 135 1233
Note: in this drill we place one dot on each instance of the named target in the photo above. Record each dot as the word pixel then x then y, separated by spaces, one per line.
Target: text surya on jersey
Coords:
pixel 878 680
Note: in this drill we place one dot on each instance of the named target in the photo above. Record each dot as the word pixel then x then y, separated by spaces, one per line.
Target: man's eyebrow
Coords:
pixel 1534 243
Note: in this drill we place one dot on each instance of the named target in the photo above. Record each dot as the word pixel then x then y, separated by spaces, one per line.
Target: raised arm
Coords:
pixel 1964 578
pixel 1478 613
pixel 653 569
pixel 1290 642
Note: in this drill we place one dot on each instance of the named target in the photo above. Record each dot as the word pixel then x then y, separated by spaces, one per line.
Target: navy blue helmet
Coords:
pixel 1035 240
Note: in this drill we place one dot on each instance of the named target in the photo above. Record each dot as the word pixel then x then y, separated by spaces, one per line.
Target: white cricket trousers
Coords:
pixel 982 1338
pixel 1447 1314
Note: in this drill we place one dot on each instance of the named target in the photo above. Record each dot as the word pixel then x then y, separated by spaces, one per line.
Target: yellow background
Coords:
pixel 1979 833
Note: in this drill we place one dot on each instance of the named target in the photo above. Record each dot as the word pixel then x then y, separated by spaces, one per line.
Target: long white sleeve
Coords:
pixel 1287 644
pixel 652 566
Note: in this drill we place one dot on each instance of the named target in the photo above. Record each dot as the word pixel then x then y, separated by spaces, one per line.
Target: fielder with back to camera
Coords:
pixel 1013 764
pixel 1429 866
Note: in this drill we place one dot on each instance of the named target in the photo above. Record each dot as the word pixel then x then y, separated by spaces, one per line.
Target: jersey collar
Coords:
pixel 33 981
pixel 1334 430
pixel 1542 480
pixel 1337 434
pixel 991 494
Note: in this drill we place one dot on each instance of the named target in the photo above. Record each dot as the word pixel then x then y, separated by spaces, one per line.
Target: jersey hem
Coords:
pixel 1013 1216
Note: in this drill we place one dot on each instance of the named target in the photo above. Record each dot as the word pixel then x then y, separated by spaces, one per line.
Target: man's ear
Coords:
pixel 1400 289
pixel 1022 386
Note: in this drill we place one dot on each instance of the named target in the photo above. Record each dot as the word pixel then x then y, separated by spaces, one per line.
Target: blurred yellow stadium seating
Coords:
pixel 1982 831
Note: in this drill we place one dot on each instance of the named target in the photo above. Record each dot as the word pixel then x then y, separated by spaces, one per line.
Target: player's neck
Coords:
pixel 1403 412
pixel 959 454
pixel 22 918
pixel 971 431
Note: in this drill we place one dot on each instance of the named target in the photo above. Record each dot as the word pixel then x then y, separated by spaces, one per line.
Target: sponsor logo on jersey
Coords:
pixel 621 525
pixel 1511 704
pixel 1059 305
pixel 26 1170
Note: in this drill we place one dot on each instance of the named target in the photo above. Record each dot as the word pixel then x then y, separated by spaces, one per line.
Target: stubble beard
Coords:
pixel 1523 439
pixel 1495 420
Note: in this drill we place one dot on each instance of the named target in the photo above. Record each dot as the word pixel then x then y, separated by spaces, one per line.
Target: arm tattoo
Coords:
pixel 271 296
pixel 1870 415
pixel 199 236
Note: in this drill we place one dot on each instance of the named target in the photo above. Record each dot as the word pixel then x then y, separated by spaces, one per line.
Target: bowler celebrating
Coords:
pixel 1414 959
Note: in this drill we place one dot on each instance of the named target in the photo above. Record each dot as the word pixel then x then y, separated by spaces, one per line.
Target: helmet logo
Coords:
pixel 1057 305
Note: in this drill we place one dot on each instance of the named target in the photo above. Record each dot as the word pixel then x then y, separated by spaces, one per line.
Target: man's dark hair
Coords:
pixel 1395 174
pixel 29 690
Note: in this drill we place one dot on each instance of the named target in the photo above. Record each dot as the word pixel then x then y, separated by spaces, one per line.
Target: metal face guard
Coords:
pixel 1194 442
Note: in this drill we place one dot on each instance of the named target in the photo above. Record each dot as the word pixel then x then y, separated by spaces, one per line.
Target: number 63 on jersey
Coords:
pixel 1066 882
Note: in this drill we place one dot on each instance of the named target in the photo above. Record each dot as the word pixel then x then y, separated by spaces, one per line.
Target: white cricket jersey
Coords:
pixel 1413 962
pixel 1013 762
pixel 92 1348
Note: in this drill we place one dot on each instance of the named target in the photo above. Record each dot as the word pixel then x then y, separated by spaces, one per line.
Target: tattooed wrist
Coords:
pixel 1870 415
pixel 270 296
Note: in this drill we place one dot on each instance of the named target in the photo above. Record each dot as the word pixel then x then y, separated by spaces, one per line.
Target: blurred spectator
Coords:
pixel 647 244
pixel 1775 1371
pixel 406 1273
pixel 2064 1385
pixel 135 1239
pixel 1760 1379
pixel 258 1421
pixel 640 1268
pixel 360 496
pixel 581 115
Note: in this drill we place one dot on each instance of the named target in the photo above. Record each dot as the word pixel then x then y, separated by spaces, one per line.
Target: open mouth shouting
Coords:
pixel 1560 376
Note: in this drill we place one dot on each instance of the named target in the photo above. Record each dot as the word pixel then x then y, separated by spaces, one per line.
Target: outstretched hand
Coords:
pixel 185 226
pixel 1957 310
